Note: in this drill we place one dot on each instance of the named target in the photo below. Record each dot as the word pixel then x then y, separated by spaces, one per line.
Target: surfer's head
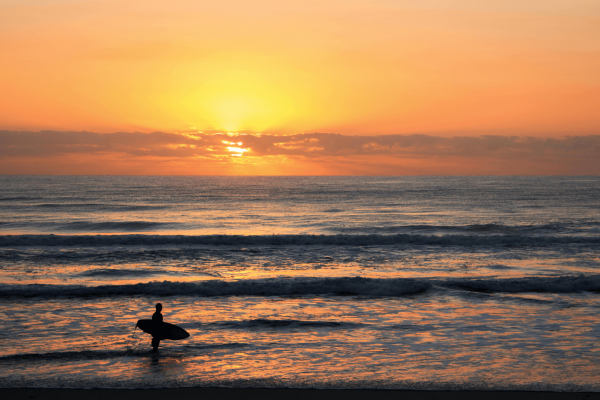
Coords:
pixel 158 307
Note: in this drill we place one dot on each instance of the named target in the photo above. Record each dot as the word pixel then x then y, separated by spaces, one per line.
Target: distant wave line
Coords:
pixel 294 240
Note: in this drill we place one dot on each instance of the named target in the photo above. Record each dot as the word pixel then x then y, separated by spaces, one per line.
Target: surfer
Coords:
pixel 161 330
pixel 157 319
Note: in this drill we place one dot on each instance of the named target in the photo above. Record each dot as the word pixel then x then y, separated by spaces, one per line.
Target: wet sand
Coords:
pixel 280 394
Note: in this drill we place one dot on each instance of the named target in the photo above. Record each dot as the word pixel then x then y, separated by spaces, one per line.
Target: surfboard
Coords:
pixel 162 330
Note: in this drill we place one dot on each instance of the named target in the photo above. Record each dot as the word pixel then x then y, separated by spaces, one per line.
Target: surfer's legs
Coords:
pixel 155 343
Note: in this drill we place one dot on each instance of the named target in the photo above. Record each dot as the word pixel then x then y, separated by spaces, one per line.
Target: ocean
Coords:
pixel 304 282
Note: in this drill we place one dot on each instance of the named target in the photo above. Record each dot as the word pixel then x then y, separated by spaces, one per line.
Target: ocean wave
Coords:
pixel 123 272
pixel 555 284
pixel 68 205
pixel 345 286
pixel 86 226
pixel 250 287
pixel 281 240
pixel 481 229
pixel 100 206
pixel 278 323
pixel 19 198
pixel 68 355
pixel 127 351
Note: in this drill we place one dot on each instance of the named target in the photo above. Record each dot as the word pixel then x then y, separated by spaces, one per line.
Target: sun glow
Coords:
pixel 235 113
pixel 248 92
pixel 237 151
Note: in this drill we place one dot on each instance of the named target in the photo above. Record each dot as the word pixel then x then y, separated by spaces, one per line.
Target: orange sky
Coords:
pixel 351 67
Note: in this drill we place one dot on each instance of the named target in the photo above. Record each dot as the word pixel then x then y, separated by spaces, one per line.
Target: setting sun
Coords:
pixel 247 95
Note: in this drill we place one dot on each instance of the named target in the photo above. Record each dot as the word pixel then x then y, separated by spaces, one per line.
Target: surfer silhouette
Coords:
pixel 157 319
pixel 161 330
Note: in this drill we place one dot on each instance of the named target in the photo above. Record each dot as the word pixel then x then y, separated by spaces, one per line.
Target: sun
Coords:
pixel 250 95
pixel 236 112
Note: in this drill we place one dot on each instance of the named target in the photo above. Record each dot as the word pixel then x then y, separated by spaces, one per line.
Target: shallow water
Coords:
pixel 461 283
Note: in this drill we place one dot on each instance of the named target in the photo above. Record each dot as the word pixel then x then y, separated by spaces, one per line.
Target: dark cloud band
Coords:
pixel 309 145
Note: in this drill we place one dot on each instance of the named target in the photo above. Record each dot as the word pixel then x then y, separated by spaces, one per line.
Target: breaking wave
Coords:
pixel 349 286
pixel 251 287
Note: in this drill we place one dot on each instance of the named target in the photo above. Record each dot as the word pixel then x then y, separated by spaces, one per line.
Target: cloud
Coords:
pixel 322 148
pixel 15 143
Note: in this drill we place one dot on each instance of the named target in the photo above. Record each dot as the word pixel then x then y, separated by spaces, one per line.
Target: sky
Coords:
pixel 429 82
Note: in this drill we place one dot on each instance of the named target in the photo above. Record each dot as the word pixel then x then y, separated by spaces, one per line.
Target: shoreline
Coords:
pixel 279 394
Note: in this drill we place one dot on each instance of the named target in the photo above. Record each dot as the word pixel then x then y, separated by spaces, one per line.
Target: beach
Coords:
pixel 288 394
